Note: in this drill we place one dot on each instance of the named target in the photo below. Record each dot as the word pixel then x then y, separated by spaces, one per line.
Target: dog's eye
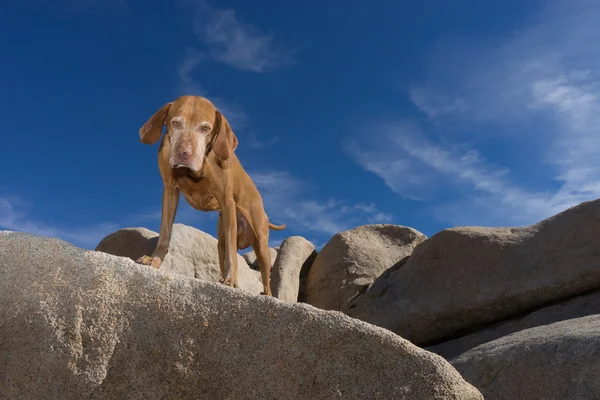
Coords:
pixel 205 128
pixel 175 123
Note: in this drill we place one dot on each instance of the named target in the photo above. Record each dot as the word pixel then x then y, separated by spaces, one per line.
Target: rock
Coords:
pixel 85 324
pixel 556 361
pixel 581 306
pixel 295 253
pixel 353 259
pixel 462 279
pixel 252 262
pixel 129 242
pixel 191 253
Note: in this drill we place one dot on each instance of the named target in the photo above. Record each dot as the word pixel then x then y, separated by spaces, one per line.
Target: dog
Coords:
pixel 196 158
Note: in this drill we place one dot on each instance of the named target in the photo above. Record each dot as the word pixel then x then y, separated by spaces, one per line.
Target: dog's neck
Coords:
pixel 196 176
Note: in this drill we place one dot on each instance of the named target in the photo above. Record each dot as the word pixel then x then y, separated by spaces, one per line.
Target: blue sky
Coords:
pixel 427 115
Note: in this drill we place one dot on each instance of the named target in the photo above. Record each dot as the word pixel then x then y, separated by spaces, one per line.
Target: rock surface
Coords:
pixel 80 324
pixel 462 279
pixel 252 261
pixel 129 242
pixel 353 259
pixel 581 306
pixel 295 253
pixel 191 253
pixel 556 361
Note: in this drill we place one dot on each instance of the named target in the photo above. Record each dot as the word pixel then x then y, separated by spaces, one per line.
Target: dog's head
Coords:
pixel 195 128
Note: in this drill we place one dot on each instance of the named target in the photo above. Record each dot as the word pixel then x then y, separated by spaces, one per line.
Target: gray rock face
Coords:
pixel 80 324
pixel 129 242
pixel 295 253
pixel 581 306
pixel 191 253
pixel 353 259
pixel 462 279
pixel 556 361
pixel 252 261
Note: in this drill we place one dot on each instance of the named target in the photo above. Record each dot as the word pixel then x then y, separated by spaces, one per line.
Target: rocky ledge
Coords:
pixel 380 312
pixel 78 324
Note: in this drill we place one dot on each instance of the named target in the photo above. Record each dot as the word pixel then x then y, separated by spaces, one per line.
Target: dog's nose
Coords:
pixel 185 152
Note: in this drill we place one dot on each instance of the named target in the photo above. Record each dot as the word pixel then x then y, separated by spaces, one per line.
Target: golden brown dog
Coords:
pixel 196 157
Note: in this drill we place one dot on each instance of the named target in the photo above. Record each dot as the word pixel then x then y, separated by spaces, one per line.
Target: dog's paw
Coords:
pixel 228 282
pixel 154 262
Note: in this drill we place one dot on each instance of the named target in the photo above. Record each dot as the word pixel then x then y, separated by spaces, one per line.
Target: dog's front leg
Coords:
pixel 228 245
pixel 170 201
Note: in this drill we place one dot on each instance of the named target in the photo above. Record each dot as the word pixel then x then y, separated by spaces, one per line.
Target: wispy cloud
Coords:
pixel 435 104
pixel 386 157
pixel 234 112
pixel 237 43
pixel 539 88
pixel 288 200
pixel 464 186
pixel 253 142
pixel 14 215
pixel 496 81
pixel 191 60
pixel 228 40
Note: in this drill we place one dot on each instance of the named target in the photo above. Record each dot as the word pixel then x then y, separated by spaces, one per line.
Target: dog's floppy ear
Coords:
pixel 226 141
pixel 151 131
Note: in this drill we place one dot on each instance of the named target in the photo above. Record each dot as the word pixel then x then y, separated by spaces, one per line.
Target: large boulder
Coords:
pixel 191 253
pixel 556 361
pixel 132 242
pixel 83 324
pixel 252 261
pixel 353 259
pixel 295 253
pixel 580 306
pixel 462 279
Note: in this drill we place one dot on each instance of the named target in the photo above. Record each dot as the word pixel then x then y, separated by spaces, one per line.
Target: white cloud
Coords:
pixel 253 142
pixel 287 200
pixel 436 104
pixel 417 168
pixel 385 155
pixel 492 81
pixel 539 88
pixel 237 43
pixel 14 216
pixel 188 85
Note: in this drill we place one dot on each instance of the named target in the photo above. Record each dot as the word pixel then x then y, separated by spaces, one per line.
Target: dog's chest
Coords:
pixel 198 195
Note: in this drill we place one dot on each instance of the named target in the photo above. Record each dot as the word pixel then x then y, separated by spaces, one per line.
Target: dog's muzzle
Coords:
pixel 182 156
pixel 185 159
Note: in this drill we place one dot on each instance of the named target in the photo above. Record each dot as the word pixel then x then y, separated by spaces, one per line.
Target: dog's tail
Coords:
pixel 277 227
